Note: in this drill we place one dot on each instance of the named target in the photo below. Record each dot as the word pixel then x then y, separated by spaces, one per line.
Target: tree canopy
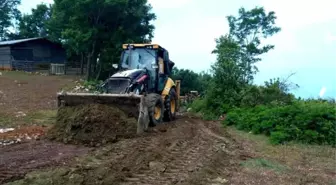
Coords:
pixel 9 14
pixel 237 53
pixel 190 80
pixel 98 28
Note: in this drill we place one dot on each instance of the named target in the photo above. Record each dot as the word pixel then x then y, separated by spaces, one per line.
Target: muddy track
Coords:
pixel 17 160
pixel 181 154
pixel 187 151
pixel 175 154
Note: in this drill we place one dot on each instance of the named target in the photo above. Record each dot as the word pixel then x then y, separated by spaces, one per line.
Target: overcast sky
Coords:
pixel 306 45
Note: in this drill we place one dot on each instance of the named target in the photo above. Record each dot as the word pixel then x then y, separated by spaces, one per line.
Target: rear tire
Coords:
pixel 155 109
pixel 171 105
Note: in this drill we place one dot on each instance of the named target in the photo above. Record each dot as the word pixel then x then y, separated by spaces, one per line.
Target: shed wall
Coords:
pixel 5 58
pixel 39 51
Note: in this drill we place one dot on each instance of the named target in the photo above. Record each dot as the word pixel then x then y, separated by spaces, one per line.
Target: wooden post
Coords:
pixel 178 91
pixel 65 67
pixel 143 119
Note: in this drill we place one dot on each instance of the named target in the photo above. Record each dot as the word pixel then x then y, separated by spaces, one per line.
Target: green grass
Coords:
pixel 6 121
pixel 265 164
pixel 40 117
pixel 290 163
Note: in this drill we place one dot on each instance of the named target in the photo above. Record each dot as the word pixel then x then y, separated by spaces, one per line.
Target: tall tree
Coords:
pixel 190 80
pixel 247 30
pixel 99 27
pixel 237 53
pixel 9 13
pixel 35 24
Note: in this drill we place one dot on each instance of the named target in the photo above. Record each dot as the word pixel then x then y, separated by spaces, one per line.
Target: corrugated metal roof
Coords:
pixel 11 42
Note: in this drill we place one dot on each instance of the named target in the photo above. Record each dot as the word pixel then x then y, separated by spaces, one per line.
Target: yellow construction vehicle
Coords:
pixel 142 86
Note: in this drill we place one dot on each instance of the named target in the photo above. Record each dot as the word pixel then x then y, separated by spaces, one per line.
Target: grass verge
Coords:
pixel 288 163
pixel 40 117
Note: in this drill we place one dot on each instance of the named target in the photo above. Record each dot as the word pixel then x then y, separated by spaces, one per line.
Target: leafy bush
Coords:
pixel 265 95
pixel 93 85
pixel 312 122
pixel 198 105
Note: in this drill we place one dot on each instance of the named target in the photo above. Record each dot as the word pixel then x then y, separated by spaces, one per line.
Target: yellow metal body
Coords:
pixel 169 84
pixel 156 46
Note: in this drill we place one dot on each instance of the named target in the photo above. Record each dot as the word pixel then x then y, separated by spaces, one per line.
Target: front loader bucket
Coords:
pixel 131 104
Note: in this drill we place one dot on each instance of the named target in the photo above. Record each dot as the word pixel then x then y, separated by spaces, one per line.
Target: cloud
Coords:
pixel 48 1
pixel 330 38
pixel 322 91
pixel 301 13
pixel 294 17
pixel 196 36
pixel 191 39
pixel 27 5
pixel 164 4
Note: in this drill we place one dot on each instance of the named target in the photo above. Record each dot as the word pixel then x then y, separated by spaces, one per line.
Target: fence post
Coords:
pixel 65 67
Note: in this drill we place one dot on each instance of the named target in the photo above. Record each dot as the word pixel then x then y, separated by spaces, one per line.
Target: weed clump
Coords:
pixel 91 124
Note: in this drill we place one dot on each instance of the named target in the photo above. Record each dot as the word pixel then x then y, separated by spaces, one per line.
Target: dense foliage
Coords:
pixel 191 81
pixel 237 53
pixel 268 109
pixel 310 122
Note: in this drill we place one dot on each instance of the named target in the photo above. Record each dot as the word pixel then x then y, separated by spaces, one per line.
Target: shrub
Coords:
pixel 93 85
pixel 310 122
pixel 198 105
pixel 265 95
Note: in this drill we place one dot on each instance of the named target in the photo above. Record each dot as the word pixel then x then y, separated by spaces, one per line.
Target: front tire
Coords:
pixel 155 109
pixel 171 105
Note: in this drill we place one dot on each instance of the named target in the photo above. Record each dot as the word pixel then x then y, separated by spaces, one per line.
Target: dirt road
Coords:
pixel 188 151
pixel 17 160
pixel 27 93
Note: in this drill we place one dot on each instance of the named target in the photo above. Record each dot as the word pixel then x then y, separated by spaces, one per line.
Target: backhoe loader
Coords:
pixel 141 87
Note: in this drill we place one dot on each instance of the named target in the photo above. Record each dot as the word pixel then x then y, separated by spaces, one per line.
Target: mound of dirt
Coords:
pixel 92 125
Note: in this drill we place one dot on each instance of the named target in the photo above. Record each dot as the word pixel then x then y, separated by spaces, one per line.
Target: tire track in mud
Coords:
pixel 17 160
pixel 184 150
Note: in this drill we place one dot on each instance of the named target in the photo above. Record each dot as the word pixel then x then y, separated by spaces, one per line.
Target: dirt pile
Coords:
pixel 92 124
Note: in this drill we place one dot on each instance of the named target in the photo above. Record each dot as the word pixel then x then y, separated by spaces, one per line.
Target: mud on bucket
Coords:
pixel 107 115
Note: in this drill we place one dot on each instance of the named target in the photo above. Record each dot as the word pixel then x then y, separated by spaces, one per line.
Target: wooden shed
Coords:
pixel 30 54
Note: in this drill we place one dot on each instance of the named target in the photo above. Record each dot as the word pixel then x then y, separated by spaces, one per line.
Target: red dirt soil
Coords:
pixel 17 160
pixel 22 134
pixel 26 93
pixel 182 152
pixel 182 148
